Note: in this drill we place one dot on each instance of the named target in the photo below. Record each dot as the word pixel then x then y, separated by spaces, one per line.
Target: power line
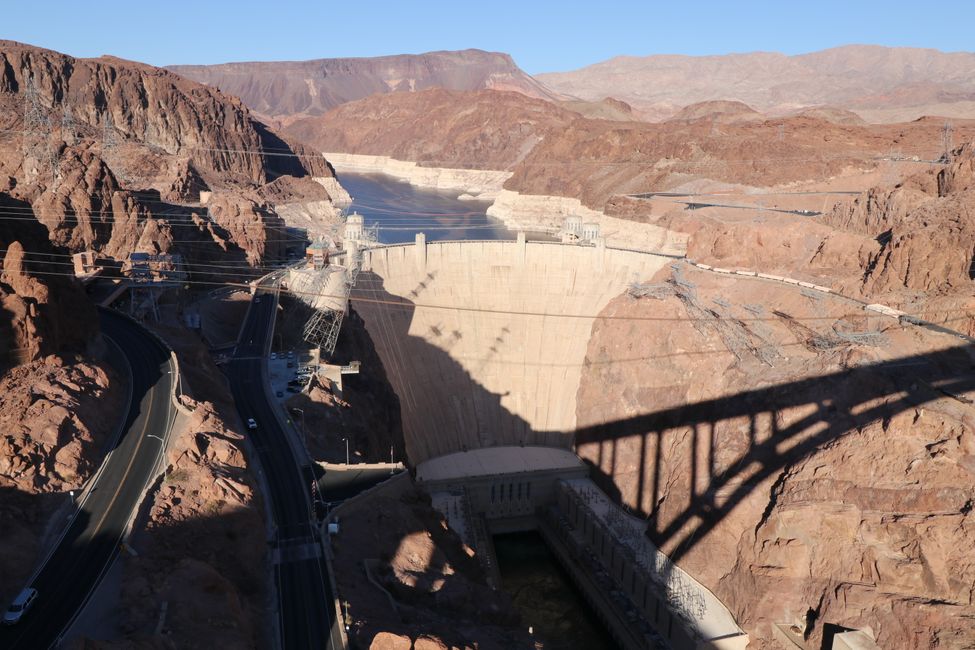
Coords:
pixel 477 165
pixel 407 305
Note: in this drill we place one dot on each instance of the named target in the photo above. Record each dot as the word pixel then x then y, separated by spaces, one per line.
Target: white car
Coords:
pixel 274 355
pixel 251 424
pixel 19 607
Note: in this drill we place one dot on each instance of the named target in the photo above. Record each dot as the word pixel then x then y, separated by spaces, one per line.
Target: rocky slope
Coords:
pixel 924 228
pixel 792 454
pixel 487 129
pixel 300 88
pixel 878 82
pixel 57 414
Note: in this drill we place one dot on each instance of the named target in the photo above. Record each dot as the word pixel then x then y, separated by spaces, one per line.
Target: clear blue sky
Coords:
pixel 542 35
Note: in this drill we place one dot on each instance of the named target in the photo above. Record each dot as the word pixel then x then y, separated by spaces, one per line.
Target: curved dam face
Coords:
pixel 484 342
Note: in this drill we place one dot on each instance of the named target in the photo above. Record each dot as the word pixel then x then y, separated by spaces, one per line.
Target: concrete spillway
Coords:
pixel 484 341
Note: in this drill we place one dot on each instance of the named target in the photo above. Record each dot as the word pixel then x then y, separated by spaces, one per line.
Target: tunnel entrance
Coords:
pixel 545 596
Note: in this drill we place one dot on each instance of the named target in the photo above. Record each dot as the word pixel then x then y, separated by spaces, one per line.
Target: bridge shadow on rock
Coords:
pixel 738 442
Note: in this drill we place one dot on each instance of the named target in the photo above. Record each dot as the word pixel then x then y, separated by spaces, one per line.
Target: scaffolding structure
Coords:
pixel 151 274
pixel 326 290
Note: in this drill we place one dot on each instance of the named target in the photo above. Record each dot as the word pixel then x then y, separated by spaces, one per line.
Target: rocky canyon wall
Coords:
pixel 792 453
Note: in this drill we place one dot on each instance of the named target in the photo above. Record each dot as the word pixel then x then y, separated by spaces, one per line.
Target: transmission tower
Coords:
pixel 68 126
pixel 946 141
pixel 36 120
pixel 38 137
pixel 109 141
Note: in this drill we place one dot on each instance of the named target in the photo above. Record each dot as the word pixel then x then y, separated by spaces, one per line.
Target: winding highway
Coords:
pixel 92 541
pixel 305 611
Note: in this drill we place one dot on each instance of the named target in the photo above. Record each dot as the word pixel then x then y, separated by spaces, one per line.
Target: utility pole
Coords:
pixel 947 137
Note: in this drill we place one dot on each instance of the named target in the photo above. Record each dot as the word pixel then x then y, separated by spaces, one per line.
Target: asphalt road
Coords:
pixel 306 613
pixel 93 539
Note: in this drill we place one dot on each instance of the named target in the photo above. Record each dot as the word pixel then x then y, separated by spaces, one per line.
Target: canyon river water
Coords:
pixel 544 595
pixel 401 210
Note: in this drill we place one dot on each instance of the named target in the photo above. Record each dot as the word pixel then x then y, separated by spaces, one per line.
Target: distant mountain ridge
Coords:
pixel 300 88
pixel 879 83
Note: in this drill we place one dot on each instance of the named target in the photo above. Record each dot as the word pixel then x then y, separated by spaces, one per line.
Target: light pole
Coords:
pixel 302 411
pixel 346 451
pixel 71 493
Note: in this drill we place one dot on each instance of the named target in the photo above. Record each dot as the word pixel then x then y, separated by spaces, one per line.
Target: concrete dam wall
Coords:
pixel 484 342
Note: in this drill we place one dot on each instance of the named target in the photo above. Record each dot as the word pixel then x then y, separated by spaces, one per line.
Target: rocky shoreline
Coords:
pixel 476 183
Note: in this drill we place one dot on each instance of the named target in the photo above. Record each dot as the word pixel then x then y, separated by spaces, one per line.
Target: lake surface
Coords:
pixel 401 210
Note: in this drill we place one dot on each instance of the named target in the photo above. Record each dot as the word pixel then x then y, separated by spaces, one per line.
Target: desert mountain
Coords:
pixel 879 83
pixel 286 88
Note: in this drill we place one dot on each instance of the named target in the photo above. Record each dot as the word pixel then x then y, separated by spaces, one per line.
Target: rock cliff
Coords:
pixel 796 456
pixel 110 152
pixel 924 228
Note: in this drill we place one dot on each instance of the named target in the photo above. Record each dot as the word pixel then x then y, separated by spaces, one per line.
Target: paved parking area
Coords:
pixel 280 373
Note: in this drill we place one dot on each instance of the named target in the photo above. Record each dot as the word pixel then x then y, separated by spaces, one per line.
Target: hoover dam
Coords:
pixel 485 343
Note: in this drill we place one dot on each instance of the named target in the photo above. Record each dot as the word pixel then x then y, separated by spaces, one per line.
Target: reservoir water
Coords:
pixel 401 210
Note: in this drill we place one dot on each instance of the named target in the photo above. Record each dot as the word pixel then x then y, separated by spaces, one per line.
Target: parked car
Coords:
pixel 291 364
pixel 251 424
pixel 274 355
pixel 19 607
pixel 279 394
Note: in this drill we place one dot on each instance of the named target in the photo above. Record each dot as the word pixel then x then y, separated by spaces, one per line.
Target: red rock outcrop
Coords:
pixel 57 415
pixel 145 104
pixel 201 539
pixel 925 227
pixel 113 143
